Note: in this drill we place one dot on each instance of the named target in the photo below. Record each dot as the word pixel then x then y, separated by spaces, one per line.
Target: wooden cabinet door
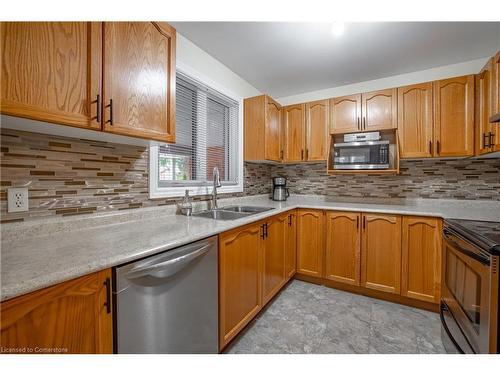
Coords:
pixel 291 245
pixel 71 316
pixel 342 260
pixel 345 114
pixel 454 116
pixel 415 120
pixel 381 252
pixel 310 242
pixel 273 147
pixel 139 79
pixel 484 106
pixel 273 274
pixel 495 101
pixel 316 130
pixel 379 110
pixel 293 126
pixel 51 71
pixel 421 258
pixel 240 253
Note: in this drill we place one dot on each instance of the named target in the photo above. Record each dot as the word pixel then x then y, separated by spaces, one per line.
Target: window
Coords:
pixel 207 136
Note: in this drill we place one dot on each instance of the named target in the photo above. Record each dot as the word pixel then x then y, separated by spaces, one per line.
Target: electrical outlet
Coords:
pixel 17 199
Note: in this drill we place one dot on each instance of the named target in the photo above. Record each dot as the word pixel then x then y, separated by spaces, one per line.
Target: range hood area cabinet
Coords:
pixel 372 111
pixel 291 134
pixel 92 75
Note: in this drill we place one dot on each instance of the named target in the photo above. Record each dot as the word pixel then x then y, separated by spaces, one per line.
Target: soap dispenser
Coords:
pixel 186 205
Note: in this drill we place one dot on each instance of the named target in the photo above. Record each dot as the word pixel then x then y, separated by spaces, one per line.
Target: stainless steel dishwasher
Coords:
pixel 168 303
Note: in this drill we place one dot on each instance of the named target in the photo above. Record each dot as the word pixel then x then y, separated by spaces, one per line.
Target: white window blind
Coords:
pixel 206 137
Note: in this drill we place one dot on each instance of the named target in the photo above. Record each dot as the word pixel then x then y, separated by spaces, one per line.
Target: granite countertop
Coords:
pixel 57 250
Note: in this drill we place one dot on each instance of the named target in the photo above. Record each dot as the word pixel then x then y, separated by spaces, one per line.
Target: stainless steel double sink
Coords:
pixel 232 212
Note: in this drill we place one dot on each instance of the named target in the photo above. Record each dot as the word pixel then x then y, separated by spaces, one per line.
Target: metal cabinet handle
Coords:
pixel 357 222
pixel 364 123
pixel 263 234
pixel 265 227
pixel 307 154
pixel 281 154
pixel 290 220
pixel 430 147
pixel 364 222
pixel 485 137
pixel 438 147
pixel 302 155
pixel 107 303
pixel 98 109
pixel 110 106
pixel 492 136
pixel 358 124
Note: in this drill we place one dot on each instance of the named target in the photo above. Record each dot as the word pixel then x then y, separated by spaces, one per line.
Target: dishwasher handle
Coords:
pixel 168 267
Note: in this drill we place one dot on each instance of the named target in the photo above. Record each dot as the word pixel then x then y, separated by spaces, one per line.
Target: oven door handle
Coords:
pixel 448 235
pixel 444 307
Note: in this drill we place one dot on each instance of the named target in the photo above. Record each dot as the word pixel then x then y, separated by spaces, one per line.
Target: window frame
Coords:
pixel 157 192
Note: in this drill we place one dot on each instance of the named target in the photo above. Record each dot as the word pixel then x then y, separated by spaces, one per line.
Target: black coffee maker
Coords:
pixel 280 191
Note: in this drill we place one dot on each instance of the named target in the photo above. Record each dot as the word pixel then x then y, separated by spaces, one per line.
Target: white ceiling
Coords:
pixel 288 58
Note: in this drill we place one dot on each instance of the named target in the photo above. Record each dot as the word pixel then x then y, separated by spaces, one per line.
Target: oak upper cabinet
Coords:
pixel 262 129
pixel 495 102
pixel 454 116
pixel 379 109
pixel 240 299
pixel 293 118
pixel 310 242
pixel 415 121
pixel 345 114
pixel 51 71
pixel 343 262
pixel 381 252
pixel 485 135
pixel 421 258
pixel 317 120
pixel 291 245
pixel 74 316
pixel 139 79
pixel 274 256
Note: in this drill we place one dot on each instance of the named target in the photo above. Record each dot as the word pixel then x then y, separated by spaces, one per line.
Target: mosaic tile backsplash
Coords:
pixel 69 177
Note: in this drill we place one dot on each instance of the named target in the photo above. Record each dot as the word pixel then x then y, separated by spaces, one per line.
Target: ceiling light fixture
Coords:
pixel 338 28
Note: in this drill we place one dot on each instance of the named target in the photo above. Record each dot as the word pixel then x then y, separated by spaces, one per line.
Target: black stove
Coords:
pixel 484 234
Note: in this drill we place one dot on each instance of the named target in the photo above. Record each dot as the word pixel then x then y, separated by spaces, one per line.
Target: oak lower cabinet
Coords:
pixel 310 242
pixel 343 252
pixel 454 116
pixel 291 245
pixel 381 252
pixel 240 291
pixel 273 268
pixel 421 258
pixel 71 317
pixel 262 129
pixel 51 71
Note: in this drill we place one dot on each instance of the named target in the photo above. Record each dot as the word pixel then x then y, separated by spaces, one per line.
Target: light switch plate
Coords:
pixel 17 199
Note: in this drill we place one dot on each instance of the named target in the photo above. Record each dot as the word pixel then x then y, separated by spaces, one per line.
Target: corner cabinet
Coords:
pixel 72 317
pixel 262 129
pixel 421 258
pixel 454 116
pixel 51 71
pixel 139 79
pixel 310 242
pixel 381 252
pixel 117 77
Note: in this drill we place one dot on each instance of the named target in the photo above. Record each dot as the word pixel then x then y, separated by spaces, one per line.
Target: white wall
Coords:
pixel 194 58
pixel 468 67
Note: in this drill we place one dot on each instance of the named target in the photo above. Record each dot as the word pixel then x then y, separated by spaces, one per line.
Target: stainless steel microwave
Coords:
pixel 361 151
